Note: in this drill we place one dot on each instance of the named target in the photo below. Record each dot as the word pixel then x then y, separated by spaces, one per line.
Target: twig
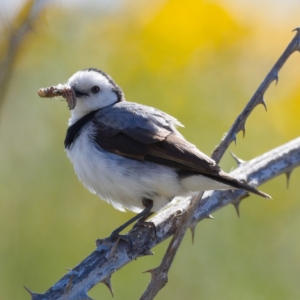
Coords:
pixel 107 259
pixel 15 40
pixel 257 98
pixel 160 274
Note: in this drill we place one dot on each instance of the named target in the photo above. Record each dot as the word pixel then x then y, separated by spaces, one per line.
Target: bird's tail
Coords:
pixel 228 180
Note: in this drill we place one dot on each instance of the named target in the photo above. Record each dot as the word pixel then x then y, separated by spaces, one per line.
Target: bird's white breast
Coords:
pixel 120 181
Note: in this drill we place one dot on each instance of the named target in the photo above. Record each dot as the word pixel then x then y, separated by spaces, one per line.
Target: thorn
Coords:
pixel 153 272
pixel 234 139
pixel 296 29
pixel 276 79
pixel 113 250
pixel 107 282
pixel 193 230
pixel 237 203
pixel 146 252
pixel 28 290
pixel 149 271
pixel 157 272
pixel 237 159
pixel 237 207
pixel 262 100
pixel 244 131
pixel 209 217
pixel 242 127
pixel 288 177
pixel 32 294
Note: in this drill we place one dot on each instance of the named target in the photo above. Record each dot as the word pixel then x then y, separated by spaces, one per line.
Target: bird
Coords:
pixel 132 155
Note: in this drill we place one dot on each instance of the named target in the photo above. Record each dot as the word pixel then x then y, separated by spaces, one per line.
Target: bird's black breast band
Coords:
pixel 74 130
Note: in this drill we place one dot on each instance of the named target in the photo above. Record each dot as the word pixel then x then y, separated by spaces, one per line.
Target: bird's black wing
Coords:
pixel 161 146
pixel 165 148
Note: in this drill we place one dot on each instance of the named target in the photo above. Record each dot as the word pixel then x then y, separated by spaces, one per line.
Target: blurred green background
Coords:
pixel 197 60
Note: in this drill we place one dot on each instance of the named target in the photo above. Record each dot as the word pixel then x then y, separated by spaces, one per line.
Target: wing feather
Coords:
pixel 162 146
pixel 143 134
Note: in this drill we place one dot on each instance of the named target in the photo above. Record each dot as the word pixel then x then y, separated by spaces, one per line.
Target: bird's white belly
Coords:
pixel 122 182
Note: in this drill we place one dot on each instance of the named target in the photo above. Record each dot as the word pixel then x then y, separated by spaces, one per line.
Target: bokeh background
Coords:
pixel 198 60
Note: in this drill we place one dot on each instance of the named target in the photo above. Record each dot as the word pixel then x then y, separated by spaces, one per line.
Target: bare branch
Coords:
pixel 107 259
pixel 160 274
pixel 15 39
pixel 257 98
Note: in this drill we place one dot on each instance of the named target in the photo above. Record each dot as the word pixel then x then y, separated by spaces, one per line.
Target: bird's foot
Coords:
pixel 146 224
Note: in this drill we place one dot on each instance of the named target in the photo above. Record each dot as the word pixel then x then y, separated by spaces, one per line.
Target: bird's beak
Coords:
pixel 63 90
pixel 79 94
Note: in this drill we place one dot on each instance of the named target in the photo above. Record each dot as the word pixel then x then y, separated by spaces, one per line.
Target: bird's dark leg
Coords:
pixel 141 217
pixel 142 221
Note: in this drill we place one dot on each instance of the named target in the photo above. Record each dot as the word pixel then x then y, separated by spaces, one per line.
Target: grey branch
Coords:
pixel 100 265
pixel 257 98
pixel 160 275
pixel 184 213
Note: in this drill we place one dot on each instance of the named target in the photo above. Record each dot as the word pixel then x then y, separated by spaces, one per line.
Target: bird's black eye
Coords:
pixel 95 89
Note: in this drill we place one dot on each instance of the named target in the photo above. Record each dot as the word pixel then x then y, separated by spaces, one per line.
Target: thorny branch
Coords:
pixel 107 258
pixel 257 98
pixel 100 265
pixel 160 275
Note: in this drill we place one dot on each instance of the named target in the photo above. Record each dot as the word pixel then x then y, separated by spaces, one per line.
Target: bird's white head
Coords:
pixel 94 89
